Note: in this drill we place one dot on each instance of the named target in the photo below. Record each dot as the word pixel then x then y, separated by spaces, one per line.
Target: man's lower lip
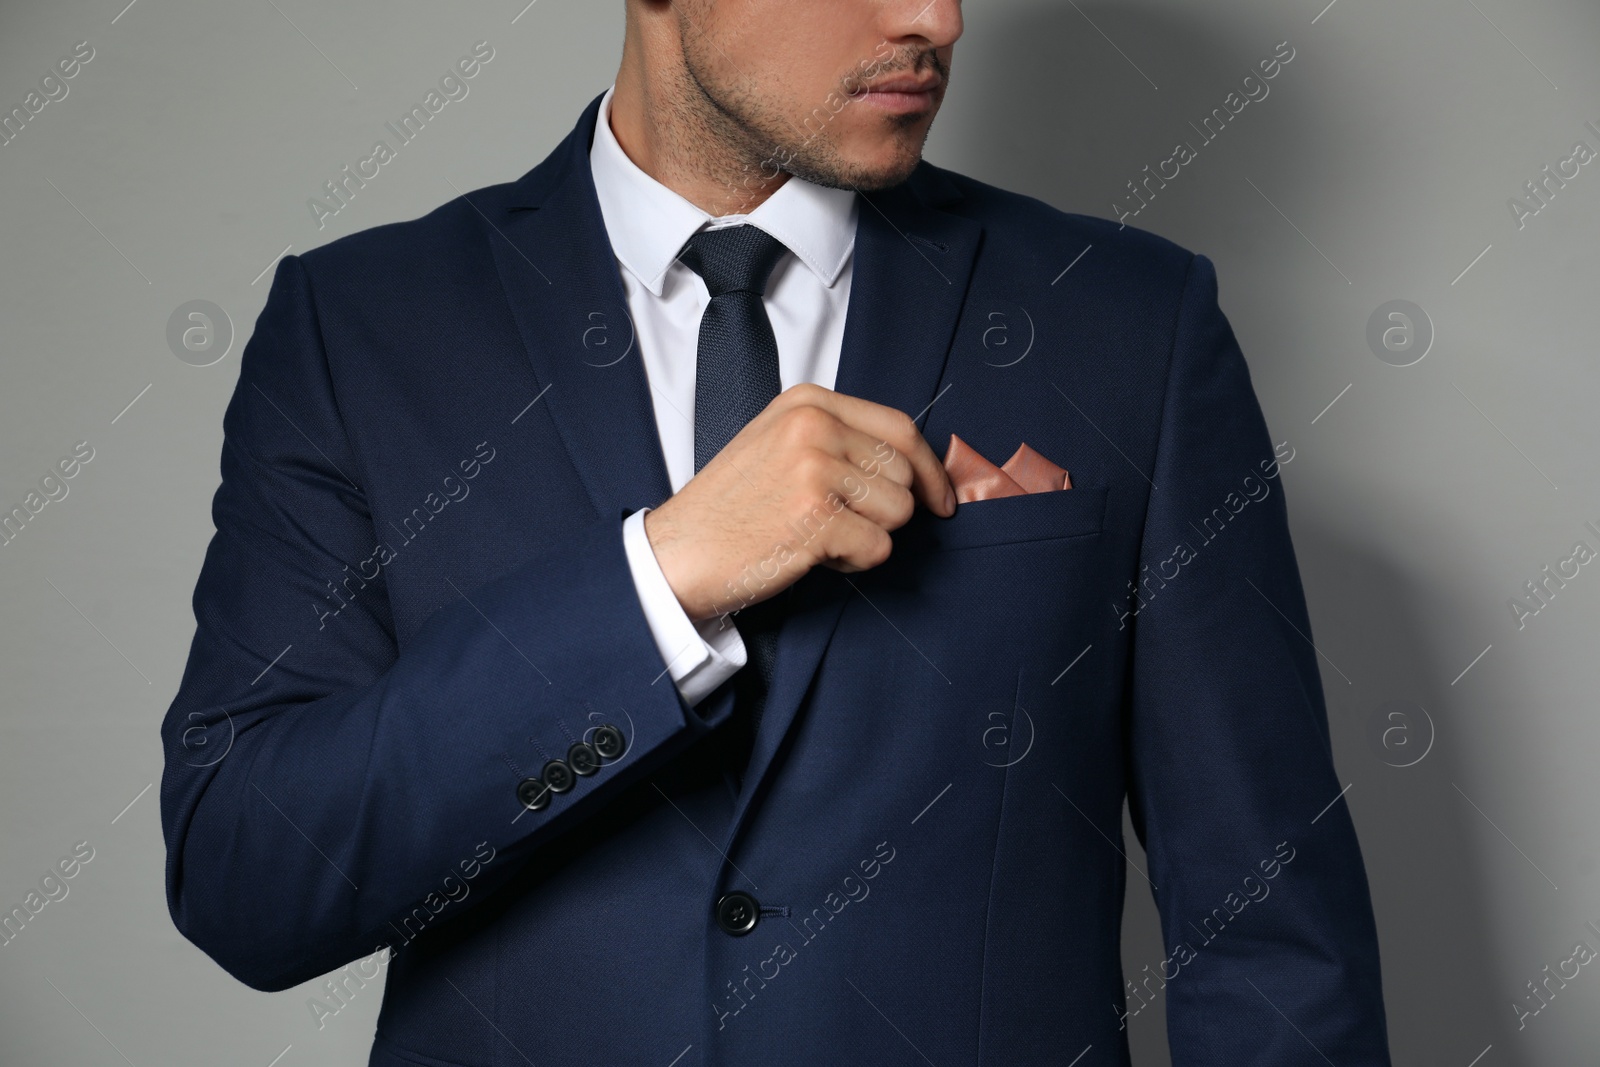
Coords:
pixel 899 102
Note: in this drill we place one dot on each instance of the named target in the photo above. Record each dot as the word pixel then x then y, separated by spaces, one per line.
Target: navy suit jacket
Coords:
pixel 417 598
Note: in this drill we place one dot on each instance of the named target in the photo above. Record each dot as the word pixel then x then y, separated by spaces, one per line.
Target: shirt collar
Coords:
pixel 648 223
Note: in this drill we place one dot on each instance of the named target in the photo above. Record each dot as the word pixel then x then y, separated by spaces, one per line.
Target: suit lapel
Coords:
pixel 909 280
pixel 565 291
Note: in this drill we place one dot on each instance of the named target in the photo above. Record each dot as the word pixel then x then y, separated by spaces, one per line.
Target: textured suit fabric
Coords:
pixel 931 815
pixel 736 377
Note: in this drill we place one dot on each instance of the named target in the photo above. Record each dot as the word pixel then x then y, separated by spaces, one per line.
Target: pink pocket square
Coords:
pixel 975 478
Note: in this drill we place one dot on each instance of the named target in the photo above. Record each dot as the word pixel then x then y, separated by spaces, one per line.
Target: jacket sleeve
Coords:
pixel 320 784
pixel 1258 877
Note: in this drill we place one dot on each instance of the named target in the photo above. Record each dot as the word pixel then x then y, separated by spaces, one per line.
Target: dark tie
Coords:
pixel 736 377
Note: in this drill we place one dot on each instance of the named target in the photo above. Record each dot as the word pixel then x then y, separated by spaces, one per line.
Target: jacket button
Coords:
pixel 736 913
pixel 607 741
pixel 533 794
pixel 583 759
pixel 558 776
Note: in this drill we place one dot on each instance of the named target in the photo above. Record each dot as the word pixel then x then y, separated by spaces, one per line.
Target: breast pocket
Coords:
pixel 1076 512
pixel 964 606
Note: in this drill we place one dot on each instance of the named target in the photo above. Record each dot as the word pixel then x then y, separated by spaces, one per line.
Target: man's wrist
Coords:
pixel 663 540
pixel 699 655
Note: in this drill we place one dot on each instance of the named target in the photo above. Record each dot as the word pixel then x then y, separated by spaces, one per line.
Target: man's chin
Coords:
pixel 863 177
pixel 888 178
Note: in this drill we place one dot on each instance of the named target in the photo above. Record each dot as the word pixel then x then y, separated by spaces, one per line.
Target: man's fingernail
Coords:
pixel 949 499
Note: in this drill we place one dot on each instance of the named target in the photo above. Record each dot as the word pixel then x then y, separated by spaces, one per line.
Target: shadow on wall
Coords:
pixel 1043 104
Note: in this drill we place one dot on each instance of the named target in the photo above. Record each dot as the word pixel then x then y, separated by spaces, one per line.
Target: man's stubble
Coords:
pixel 743 139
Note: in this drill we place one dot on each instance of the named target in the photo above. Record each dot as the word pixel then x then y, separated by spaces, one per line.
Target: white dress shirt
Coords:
pixel 806 299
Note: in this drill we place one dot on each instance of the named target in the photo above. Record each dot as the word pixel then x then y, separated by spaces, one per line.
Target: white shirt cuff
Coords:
pixel 700 656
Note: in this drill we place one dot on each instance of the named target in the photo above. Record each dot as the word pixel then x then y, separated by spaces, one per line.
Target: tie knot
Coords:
pixel 733 258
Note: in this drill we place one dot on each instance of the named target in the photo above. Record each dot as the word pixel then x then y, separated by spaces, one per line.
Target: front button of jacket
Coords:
pixel 737 912
pixel 533 794
pixel 558 776
pixel 583 759
pixel 607 741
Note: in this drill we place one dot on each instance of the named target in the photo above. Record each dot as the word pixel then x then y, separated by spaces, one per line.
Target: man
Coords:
pixel 591 621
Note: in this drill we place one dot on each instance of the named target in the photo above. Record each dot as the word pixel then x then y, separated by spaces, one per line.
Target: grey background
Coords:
pixel 1379 167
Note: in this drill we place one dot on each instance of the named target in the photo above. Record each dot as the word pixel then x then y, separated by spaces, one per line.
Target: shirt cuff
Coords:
pixel 700 656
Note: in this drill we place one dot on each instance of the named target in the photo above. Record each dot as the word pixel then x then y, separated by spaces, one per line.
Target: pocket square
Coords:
pixel 975 478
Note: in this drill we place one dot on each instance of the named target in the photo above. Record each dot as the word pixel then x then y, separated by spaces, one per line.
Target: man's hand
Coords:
pixel 817 477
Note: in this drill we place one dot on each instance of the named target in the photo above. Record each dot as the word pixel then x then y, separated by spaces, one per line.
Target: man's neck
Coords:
pixel 666 137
